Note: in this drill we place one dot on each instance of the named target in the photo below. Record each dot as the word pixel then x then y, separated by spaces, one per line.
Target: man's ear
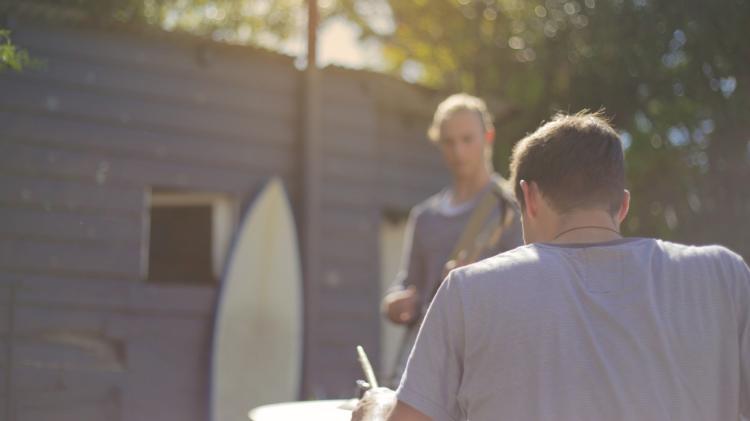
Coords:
pixel 624 206
pixel 530 197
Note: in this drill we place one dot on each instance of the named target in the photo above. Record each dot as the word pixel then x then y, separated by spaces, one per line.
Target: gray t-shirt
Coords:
pixel 432 232
pixel 635 329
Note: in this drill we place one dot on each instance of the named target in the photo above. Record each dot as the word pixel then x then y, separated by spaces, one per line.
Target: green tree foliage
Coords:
pixel 673 74
pixel 264 22
pixel 12 57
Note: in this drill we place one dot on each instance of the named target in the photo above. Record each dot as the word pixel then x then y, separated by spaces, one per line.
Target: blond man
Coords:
pixel 463 132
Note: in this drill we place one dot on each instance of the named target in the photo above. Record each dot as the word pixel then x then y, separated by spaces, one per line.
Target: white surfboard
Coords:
pixel 257 346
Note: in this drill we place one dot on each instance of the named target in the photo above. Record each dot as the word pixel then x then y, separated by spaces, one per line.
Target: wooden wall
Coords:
pixel 376 160
pixel 116 113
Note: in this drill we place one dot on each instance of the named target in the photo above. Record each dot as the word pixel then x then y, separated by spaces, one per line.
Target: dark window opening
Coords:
pixel 180 244
pixel 188 236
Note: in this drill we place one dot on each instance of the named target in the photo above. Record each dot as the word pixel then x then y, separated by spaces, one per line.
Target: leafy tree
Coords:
pixel 12 57
pixel 673 74
pixel 265 22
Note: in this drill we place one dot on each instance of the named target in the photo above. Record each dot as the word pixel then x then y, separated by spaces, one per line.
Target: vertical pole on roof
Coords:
pixel 311 192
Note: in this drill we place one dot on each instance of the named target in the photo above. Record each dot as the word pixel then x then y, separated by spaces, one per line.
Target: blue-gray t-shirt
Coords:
pixel 432 231
pixel 635 329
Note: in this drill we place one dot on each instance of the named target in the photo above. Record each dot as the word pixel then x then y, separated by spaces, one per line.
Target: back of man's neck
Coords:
pixel 585 227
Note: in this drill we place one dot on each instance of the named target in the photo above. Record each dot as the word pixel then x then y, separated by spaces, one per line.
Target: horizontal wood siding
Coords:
pixel 82 142
pixel 410 166
pixel 349 180
pixel 376 160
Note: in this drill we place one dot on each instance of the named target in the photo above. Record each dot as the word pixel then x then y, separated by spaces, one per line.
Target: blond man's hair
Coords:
pixel 457 103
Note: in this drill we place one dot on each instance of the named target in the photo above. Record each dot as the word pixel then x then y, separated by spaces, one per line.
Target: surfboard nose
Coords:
pixel 257 346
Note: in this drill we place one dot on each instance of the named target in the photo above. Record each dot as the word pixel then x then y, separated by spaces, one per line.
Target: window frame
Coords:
pixel 224 214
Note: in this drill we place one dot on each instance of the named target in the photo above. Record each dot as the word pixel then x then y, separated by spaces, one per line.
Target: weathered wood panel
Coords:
pixel 165 54
pixel 345 307
pixel 94 258
pixel 346 141
pixel 71 69
pixel 398 176
pixel 343 117
pixel 155 358
pixel 169 360
pixel 81 144
pixel 91 403
pixel 412 156
pixel 127 139
pixel 351 220
pixel 52 131
pixel 351 169
pixel 102 169
pixel 70 225
pixel 102 294
pixel 28 191
pixel 407 169
pixel 345 279
pixel 128 111
pixel 348 195
pixel 399 199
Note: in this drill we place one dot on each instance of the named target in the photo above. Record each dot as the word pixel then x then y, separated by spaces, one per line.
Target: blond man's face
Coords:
pixel 463 144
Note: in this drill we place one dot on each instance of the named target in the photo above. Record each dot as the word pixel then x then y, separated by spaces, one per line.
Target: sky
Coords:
pixel 338 44
pixel 338 39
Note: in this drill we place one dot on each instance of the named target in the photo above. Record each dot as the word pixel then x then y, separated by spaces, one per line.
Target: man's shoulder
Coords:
pixel 685 252
pixel 520 259
pixel 529 257
pixel 712 264
pixel 432 204
pixel 720 261
pixel 428 206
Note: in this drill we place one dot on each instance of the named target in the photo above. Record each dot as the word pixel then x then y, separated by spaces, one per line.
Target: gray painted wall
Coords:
pixel 115 113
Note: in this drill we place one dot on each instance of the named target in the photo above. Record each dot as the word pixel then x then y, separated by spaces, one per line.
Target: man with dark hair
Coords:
pixel 582 324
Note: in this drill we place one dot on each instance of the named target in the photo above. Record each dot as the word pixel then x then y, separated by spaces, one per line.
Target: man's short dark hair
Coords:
pixel 575 160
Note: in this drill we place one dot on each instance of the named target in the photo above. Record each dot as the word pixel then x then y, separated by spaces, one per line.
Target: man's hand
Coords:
pixel 375 405
pixel 401 306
